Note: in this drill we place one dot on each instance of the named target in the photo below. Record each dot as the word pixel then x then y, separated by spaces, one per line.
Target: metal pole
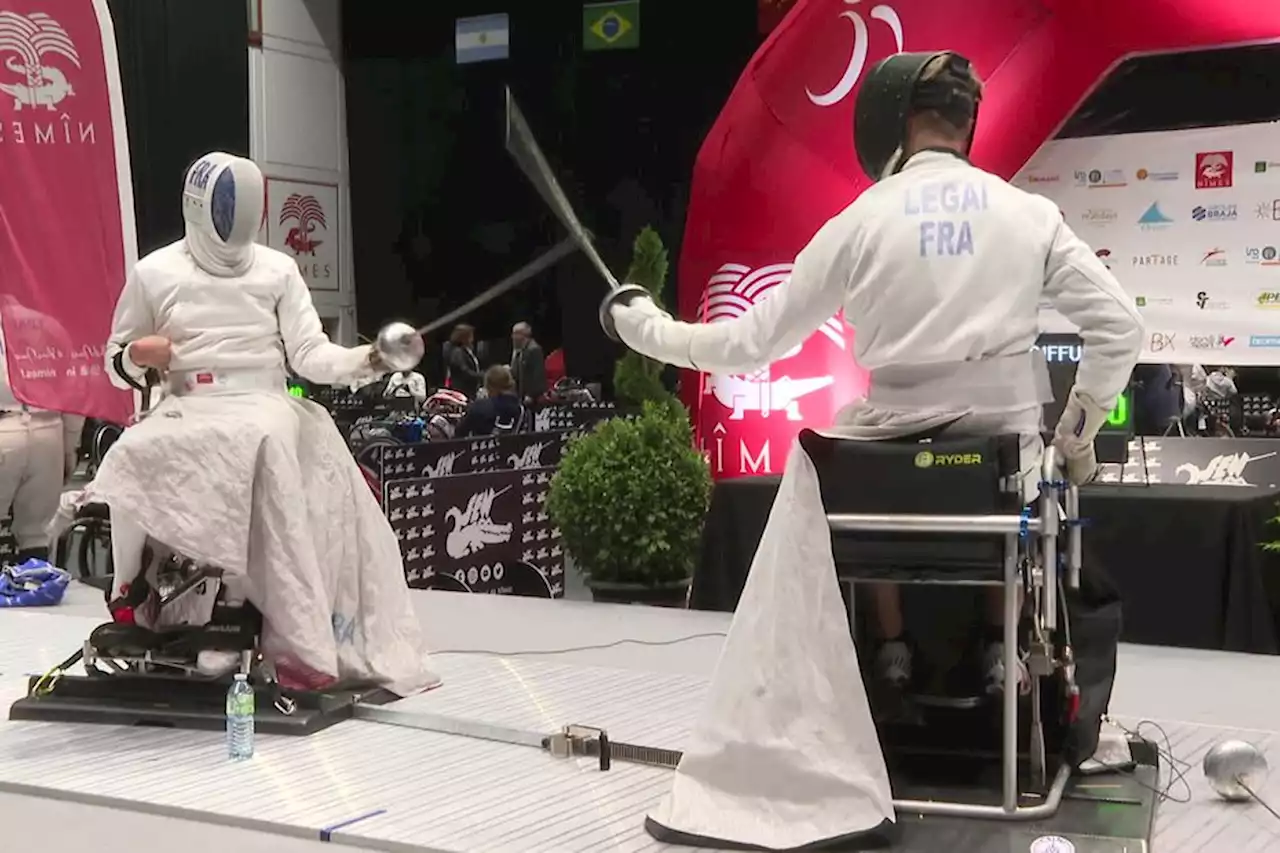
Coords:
pixel 1009 746
pixel 965 524
pixel 1074 555
pixel 1049 523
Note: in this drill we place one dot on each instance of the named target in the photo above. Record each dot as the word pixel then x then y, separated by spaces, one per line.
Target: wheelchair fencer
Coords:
pixel 177 619
pixel 952 511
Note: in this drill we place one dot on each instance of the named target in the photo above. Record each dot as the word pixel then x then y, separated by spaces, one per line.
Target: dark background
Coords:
pixel 184 68
pixel 438 210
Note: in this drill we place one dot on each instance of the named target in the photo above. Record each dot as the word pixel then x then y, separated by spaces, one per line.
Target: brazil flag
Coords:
pixel 611 26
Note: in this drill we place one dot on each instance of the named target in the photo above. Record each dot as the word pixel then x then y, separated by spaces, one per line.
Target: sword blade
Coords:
pixel 549 258
pixel 524 149
pixel 448 726
pixel 441 724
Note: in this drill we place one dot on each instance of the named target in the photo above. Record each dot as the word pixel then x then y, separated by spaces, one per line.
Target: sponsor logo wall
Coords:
pixel 1189 222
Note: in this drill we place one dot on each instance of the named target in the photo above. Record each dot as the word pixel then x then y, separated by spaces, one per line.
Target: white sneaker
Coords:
pixel 993 668
pixel 893 664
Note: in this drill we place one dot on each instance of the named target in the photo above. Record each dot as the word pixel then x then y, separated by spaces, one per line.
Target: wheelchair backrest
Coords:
pixel 103 437
pixel 942 476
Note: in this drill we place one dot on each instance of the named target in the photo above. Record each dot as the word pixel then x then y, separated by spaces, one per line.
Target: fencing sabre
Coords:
pixel 524 149
pixel 401 344
pixel 574 741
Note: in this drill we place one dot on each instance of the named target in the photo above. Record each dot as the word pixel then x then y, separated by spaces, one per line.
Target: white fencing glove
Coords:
pixel 1074 435
pixel 650 331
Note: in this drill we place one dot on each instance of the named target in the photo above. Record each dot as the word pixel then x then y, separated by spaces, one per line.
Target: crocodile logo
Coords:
pixel 1224 470
pixel 307 212
pixel 473 528
pixel 730 293
pixel 530 457
pixel 34 38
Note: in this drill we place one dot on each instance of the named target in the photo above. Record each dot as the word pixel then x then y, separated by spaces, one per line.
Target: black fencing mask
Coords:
pixel 893 91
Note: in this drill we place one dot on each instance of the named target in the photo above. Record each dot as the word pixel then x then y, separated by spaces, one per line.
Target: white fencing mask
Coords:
pixel 223 198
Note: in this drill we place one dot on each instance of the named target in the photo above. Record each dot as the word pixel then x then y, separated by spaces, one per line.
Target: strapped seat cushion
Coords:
pixel 948 476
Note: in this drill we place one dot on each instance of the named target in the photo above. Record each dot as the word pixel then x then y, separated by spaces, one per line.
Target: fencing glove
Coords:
pixel 650 331
pixel 1074 435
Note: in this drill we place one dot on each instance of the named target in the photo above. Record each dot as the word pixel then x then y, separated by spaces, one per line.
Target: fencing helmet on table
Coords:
pixel 223 198
pixel 904 85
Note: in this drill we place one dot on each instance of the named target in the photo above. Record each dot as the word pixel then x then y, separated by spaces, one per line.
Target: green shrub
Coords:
pixel 637 378
pixel 630 498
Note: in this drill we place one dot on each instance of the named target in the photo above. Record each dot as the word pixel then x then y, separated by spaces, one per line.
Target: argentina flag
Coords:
pixel 482 38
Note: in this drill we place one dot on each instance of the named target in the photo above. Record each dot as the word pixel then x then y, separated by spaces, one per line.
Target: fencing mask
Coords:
pixel 222 202
pixel 894 90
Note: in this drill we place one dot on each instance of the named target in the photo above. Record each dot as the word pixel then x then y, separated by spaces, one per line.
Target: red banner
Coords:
pixel 769 13
pixel 779 162
pixel 67 233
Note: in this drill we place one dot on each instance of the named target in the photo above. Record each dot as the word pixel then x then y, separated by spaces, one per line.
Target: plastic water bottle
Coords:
pixel 240 709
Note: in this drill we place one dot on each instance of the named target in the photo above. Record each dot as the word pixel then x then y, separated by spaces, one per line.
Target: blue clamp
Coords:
pixel 1060 485
pixel 1024 524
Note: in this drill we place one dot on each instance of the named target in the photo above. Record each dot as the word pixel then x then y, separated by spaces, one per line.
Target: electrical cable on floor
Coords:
pixel 571 649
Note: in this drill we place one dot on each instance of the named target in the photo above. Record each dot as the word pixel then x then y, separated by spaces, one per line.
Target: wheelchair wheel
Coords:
pixel 103 437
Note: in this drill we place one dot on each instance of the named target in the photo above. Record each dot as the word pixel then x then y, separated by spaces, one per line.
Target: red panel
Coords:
pixel 779 160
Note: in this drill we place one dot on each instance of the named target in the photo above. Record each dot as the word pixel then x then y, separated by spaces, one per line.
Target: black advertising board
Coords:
pixel 1241 462
pixel 470 455
pixel 485 532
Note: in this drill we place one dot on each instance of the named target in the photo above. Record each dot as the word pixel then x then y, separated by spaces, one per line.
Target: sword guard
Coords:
pixel 621 295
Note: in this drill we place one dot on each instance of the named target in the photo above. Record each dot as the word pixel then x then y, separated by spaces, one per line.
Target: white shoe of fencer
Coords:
pixel 993 669
pixel 216 664
pixel 893 664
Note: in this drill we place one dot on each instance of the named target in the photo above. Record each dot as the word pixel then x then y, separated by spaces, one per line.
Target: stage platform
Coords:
pixel 370 786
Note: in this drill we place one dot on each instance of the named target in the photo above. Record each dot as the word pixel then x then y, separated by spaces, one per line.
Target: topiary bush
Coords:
pixel 630 498
pixel 637 378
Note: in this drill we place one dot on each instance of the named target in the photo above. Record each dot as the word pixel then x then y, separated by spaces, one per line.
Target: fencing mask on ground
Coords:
pixel 222 202
pixel 893 91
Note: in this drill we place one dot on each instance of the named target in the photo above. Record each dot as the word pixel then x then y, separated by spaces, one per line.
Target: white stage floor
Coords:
pixel 370 786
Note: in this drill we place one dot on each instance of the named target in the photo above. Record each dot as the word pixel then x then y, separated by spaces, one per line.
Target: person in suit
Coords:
pixel 1157 399
pixel 498 412
pixel 528 364
pixel 462 365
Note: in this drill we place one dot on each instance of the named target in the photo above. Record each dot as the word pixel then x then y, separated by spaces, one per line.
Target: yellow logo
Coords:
pixel 925 459
pixel 1269 299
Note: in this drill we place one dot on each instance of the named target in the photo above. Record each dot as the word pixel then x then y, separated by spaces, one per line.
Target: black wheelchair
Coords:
pixel 84 549
pixel 951 511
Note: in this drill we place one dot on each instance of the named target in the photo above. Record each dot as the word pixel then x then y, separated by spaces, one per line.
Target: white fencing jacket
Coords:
pixel 941 270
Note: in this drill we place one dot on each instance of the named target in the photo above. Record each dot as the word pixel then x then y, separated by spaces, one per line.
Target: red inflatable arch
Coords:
pixel 779 161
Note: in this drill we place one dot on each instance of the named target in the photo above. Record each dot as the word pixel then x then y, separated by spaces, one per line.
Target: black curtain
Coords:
pixel 439 211
pixel 184 68
pixel 1208 88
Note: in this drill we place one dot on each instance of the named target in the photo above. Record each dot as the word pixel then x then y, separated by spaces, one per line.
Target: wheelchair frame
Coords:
pixel 1048 528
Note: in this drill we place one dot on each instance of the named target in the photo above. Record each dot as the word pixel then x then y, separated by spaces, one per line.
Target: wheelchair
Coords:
pixel 186 614
pixel 951 511
pixel 175 640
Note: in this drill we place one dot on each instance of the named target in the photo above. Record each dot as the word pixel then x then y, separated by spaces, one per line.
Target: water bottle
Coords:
pixel 240 708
